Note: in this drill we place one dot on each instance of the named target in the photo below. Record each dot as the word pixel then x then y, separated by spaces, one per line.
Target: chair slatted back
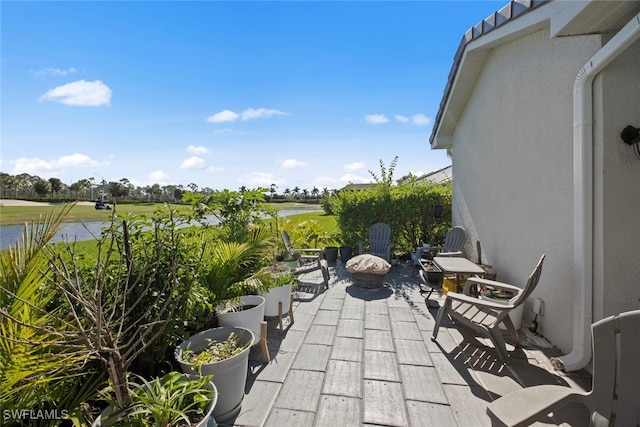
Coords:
pixel 532 282
pixel 287 242
pixel 379 237
pixel 454 240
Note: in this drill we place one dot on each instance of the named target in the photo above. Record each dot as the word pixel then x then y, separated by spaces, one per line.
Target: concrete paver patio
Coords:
pixel 365 357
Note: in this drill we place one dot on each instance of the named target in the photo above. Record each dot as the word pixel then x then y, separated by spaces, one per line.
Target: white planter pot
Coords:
pixel 275 296
pixel 251 319
pixel 515 314
pixel 102 422
pixel 229 375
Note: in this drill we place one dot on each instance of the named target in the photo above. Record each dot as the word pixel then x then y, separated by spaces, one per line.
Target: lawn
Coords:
pixel 11 215
pixel 20 214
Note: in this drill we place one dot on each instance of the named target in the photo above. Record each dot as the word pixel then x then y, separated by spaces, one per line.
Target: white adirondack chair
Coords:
pixel 485 316
pixel 614 399
pixel 453 242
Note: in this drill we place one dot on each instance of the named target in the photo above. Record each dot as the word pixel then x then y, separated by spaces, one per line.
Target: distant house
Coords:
pixel 532 114
pixel 441 176
pixel 359 187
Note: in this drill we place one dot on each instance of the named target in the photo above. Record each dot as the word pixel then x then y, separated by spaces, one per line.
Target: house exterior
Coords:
pixel 531 117
pixel 440 176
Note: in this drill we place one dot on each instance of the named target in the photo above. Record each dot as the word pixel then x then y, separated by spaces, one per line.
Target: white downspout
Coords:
pixel 583 195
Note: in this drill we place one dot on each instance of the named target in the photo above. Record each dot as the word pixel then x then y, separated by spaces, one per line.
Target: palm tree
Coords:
pixel 272 190
pixel 296 191
pixel 287 192
pixel 315 192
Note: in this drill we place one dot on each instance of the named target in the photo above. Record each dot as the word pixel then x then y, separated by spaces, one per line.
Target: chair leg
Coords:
pixel 291 320
pixel 445 308
pixel 512 330
pixel 263 343
pixel 495 334
pixel 426 299
pixel 280 316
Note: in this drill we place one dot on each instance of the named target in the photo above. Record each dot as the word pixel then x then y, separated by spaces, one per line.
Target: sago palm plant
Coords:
pixel 39 361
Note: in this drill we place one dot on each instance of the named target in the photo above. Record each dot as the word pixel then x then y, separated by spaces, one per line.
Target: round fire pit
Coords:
pixel 368 271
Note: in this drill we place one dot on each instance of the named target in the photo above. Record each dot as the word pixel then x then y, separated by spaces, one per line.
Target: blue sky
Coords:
pixel 226 94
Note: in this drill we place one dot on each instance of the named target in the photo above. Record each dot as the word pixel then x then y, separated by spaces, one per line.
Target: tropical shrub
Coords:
pixel 408 208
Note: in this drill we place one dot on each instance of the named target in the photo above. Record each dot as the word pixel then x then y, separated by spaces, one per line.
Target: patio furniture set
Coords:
pixel 614 398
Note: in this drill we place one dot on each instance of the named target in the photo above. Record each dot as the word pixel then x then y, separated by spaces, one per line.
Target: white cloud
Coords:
pixel 223 116
pixel 37 166
pixel 293 163
pixel 325 181
pixel 252 113
pixel 54 72
pixel 198 149
pixel 402 119
pixel 350 167
pixel 248 114
pixel 376 119
pixel 159 177
pixel 420 120
pixel 82 93
pixel 193 162
pixel 259 179
pixel 356 179
pixel 224 130
pixel 215 169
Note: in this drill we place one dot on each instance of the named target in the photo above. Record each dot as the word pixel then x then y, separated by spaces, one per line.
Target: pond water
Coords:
pixel 76 231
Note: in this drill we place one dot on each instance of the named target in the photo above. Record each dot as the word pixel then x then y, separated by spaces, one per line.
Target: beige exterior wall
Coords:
pixel 513 169
pixel 616 188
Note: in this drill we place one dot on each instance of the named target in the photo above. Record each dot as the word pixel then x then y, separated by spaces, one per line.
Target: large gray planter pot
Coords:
pixel 229 375
pixel 105 419
pixel 278 302
pixel 346 252
pixel 331 253
pixel 251 318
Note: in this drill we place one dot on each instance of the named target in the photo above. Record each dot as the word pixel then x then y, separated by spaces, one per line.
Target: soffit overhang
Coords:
pixel 516 20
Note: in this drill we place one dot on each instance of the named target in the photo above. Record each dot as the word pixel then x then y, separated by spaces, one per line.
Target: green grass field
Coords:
pixel 10 215
pixel 20 214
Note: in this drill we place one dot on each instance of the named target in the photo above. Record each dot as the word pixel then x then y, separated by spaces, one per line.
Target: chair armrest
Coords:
pixel 361 247
pixel 493 284
pixel 449 254
pixel 478 302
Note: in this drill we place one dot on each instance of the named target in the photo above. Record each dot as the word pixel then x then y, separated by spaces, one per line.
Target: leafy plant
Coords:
pixel 215 351
pixel 277 278
pixel 173 400
pixel 40 358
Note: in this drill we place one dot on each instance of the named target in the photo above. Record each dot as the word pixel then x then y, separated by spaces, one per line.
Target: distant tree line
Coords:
pixel 26 186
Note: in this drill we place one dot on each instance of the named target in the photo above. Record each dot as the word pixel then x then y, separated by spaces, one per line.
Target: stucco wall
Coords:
pixel 513 169
pixel 617 188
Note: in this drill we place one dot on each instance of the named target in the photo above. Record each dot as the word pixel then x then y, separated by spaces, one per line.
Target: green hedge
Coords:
pixel 408 208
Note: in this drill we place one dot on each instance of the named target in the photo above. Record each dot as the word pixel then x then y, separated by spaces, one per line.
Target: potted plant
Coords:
pixel 331 253
pixel 173 400
pixel 233 274
pixel 224 353
pixel 278 301
pixel 246 311
pixel 346 251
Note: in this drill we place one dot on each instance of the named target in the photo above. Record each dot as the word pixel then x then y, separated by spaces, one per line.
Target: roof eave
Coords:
pixel 501 27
